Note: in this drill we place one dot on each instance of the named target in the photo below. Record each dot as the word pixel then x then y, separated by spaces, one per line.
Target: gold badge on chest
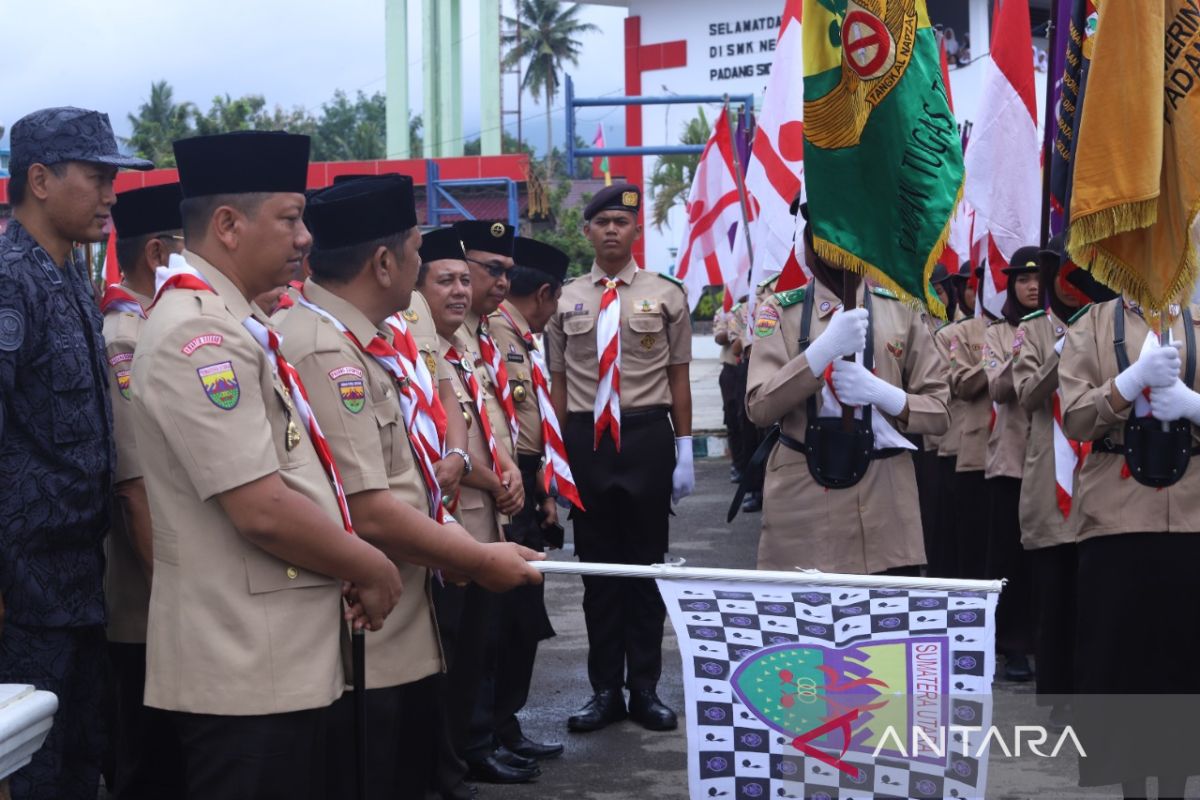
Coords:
pixel 431 363
pixel 647 342
pixel 519 393
pixel 293 435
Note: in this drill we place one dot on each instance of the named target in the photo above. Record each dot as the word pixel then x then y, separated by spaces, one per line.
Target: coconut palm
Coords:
pixel 158 123
pixel 671 180
pixel 546 37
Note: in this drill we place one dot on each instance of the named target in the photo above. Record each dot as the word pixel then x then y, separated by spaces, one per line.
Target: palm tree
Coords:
pixel 672 177
pixel 158 123
pixel 546 34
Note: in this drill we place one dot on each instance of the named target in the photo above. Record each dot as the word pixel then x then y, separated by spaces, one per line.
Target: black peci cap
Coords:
pixel 360 211
pixel 532 254
pixel 489 236
pixel 441 244
pixel 618 197
pixel 242 162
pixel 140 212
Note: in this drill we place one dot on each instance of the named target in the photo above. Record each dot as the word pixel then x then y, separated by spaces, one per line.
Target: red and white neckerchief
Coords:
pixel 422 431
pixel 556 472
pixel 418 372
pixel 607 408
pixel 468 377
pixel 1068 458
pixel 285 299
pixel 117 298
pixel 182 275
pixel 499 376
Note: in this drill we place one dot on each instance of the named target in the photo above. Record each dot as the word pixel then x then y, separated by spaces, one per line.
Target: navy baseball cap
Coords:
pixel 54 135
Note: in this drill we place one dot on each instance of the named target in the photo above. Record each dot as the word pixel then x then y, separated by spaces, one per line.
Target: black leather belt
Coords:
pixel 1107 445
pixel 529 462
pixel 876 455
pixel 640 416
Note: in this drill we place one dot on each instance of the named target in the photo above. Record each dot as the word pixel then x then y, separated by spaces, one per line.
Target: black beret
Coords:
pixel 242 162
pixel 618 197
pixel 441 244
pixel 940 274
pixel 489 236
pixel 1024 260
pixel 532 254
pixel 365 210
pixel 140 212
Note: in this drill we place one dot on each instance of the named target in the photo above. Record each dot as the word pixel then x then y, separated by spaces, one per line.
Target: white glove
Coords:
pixel 855 385
pixel 683 479
pixel 845 336
pixel 1174 402
pixel 1158 368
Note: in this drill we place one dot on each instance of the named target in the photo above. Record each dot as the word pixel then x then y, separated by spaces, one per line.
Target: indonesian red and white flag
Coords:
pixel 1003 163
pixel 776 168
pixel 714 215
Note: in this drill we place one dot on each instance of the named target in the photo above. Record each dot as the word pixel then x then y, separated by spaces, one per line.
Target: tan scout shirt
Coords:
pixel 932 441
pixel 656 332
pixel 876 524
pixel 126 590
pixel 476 508
pixel 1106 502
pixel 948 444
pixel 968 383
pixel 233 630
pixel 355 401
pixel 515 353
pixel 420 325
pixel 1010 433
pixel 738 331
pixel 723 323
pixel 1035 374
pixel 469 333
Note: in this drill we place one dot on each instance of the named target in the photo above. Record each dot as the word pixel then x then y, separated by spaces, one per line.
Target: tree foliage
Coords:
pixel 671 179
pixel 158 123
pixel 567 234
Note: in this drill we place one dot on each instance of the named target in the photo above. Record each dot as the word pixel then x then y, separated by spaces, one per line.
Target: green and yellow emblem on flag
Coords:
pixel 883 160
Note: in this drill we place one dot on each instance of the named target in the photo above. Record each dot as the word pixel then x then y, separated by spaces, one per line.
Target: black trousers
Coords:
pixel 149 764
pixel 732 402
pixel 467 619
pixel 627 495
pixel 971 507
pixel 751 435
pixel 929 497
pixel 943 563
pixel 522 614
pixel 400 750
pixel 72 663
pixel 1054 592
pixel 265 757
pixel 1007 559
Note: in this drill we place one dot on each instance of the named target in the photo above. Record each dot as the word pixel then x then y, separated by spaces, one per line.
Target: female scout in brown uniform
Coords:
pixel 1005 463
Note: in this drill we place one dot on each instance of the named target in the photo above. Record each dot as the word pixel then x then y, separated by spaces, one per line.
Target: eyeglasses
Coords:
pixel 493 270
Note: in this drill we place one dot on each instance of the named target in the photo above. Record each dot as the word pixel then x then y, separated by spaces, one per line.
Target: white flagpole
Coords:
pixel 800 576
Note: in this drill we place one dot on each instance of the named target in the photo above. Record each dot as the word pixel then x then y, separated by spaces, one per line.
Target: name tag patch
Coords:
pixel 334 374
pixel 204 340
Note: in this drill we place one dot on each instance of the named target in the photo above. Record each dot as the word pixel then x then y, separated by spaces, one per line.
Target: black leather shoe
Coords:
pixel 753 502
pixel 606 707
pixel 538 751
pixel 506 756
pixel 1016 668
pixel 735 475
pixel 492 770
pixel 651 713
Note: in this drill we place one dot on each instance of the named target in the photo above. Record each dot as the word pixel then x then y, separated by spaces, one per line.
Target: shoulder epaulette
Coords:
pixel 771 281
pixel 996 321
pixel 672 279
pixel 790 297
pixel 882 292
pixel 1079 313
pixel 1041 312
pixel 737 307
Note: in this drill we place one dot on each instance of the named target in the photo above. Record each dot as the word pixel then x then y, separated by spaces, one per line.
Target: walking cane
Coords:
pixel 358 660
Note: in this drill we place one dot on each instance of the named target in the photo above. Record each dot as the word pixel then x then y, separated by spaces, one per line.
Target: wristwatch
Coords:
pixel 466 457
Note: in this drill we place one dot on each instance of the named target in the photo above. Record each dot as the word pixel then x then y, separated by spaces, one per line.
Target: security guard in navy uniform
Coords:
pixel 57 454
pixel 147 758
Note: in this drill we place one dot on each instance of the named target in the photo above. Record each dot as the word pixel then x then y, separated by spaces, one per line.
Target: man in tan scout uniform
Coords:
pixel 874 525
pixel 534 288
pixel 727 332
pixel 629 442
pixel 147 756
pixel 245 627
pixel 1138 543
pixel 1005 464
pixel 365 264
pixel 467 615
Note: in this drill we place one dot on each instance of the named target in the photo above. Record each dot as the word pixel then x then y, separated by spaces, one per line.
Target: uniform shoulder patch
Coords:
pixel 767 321
pixel 672 279
pixel 220 384
pixel 203 340
pixel 790 297
pixel 1041 312
pixel 353 394
pixel 12 329
pixel 882 292
pixel 1079 313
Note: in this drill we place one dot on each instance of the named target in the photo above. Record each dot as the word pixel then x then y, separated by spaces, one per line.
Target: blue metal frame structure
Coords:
pixel 436 193
pixel 573 102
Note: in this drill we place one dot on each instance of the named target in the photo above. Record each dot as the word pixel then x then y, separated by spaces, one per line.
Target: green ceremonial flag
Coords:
pixel 882 158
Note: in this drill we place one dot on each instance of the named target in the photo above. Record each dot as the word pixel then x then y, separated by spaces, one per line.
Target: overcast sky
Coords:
pixel 294 53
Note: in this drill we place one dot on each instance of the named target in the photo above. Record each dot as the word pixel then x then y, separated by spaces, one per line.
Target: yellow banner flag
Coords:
pixel 1136 180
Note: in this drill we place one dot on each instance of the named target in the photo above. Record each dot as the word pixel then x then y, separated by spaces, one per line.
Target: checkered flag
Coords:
pixel 833 693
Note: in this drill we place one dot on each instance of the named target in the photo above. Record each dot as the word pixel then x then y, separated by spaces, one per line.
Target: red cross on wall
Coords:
pixel 640 58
